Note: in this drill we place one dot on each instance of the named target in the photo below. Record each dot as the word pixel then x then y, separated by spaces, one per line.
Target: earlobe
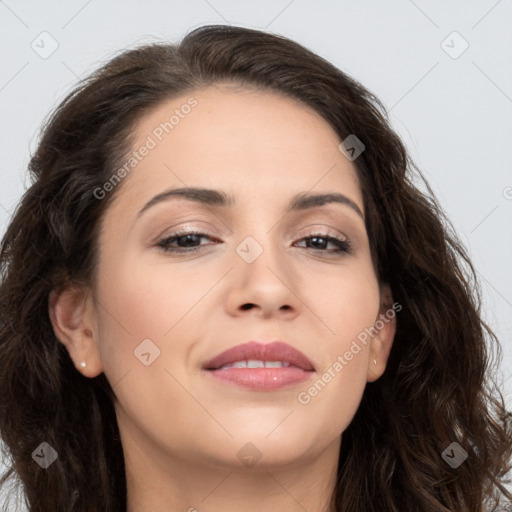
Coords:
pixel 373 370
pixel 73 318
pixel 382 342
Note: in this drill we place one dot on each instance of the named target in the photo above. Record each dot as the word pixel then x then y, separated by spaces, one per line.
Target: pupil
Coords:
pixel 188 238
pixel 315 240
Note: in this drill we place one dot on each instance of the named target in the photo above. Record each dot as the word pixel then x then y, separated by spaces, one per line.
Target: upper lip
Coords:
pixel 275 351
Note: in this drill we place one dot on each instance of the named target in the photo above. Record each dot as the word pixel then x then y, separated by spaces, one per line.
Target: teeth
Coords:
pixel 255 363
pixel 238 364
pixel 275 364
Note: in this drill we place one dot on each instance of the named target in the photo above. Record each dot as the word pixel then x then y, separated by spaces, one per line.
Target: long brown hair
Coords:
pixel 438 388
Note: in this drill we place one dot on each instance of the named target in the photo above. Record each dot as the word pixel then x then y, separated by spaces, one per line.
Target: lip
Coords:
pixel 261 379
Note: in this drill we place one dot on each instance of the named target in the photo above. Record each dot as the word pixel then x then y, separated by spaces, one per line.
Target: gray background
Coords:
pixel 452 108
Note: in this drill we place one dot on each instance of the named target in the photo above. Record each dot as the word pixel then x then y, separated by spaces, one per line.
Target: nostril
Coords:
pixel 247 306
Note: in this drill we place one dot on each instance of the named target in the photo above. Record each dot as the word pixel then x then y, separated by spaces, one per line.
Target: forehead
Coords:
pixel 238 138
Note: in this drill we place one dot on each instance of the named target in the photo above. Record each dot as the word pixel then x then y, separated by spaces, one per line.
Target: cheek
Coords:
pixel 349 305
pixel 345 300
pixel 148 301
pixel 170 304
pixel 147 318
pixel 334 395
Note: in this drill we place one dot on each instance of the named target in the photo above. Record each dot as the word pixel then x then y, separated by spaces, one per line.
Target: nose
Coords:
pixel 262 282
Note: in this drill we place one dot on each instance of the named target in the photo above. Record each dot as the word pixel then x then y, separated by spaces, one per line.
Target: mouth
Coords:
pixel 261 366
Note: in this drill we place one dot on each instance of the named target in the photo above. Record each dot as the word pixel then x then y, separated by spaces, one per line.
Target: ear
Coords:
pixel 385 325
pixel 73 316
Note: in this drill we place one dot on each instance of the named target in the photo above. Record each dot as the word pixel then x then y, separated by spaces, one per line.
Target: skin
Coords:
pixel 181 430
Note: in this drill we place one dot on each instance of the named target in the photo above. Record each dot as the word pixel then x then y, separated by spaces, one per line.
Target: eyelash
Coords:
pixel 343 245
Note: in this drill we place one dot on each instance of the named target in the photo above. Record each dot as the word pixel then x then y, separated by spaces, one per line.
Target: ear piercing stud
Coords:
pixel 375 361
pixel 83 364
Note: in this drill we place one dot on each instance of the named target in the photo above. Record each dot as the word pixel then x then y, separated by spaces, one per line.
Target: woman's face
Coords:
pixel 160 315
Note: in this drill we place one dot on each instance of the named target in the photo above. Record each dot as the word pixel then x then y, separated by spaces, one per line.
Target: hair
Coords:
pixel 439 386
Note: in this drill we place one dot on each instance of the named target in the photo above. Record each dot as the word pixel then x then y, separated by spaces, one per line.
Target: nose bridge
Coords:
pixel 261 249
pixel 258 228
pixel 263 276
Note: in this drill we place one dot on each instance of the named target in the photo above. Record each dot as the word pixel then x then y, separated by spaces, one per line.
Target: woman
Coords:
pixel 224 292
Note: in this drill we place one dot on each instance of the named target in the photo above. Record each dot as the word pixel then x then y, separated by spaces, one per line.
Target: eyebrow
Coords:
pixel 212 197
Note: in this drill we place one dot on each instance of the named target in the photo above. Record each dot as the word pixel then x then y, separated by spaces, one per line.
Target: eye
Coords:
pixel 186 241
pixel 321 240
pixel 189 241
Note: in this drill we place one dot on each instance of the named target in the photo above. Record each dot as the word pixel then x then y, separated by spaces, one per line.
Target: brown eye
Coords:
pixel 319 241
pixel 182 241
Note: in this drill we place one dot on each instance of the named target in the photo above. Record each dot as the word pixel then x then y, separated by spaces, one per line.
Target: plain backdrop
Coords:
pixel 442 69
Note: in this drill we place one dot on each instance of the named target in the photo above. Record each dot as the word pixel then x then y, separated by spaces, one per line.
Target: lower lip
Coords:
pixel 262 379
